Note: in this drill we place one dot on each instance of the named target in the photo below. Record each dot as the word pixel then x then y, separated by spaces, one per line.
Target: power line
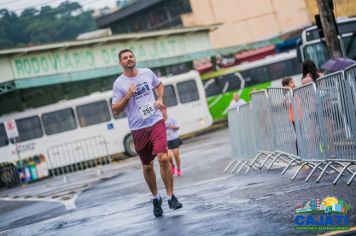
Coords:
pixel 34 6
pixel 19 10
pixel 4 3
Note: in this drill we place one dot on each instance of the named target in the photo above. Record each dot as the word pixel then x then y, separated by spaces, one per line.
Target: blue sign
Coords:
pixel 110 126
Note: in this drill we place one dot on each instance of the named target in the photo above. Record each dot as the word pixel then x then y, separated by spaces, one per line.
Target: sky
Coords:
pixel 19 5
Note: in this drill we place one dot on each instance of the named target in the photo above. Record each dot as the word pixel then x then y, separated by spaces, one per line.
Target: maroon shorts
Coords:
pixel 150 141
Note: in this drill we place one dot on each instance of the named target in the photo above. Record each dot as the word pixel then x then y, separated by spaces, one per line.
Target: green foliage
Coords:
pixel 46 25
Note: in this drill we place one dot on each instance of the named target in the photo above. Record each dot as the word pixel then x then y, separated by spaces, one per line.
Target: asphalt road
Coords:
pixel 214 203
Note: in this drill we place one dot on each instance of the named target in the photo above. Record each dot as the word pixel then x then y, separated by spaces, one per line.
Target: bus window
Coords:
pixel 213 87
pixel 256 75
pixel 350 46
pixel 188 91
pixel 93 113
pixel 316 52
pixel 284 68
pixel 169 97
pixel 3 136
pixel 59 121
pixel 231 82
pixel 117 116
pixel 29 128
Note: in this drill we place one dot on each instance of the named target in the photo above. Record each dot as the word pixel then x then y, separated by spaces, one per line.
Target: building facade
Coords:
pixel 342 8
pixel 242 21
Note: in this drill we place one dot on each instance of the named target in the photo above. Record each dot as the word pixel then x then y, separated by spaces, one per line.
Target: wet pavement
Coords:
pixel 214 203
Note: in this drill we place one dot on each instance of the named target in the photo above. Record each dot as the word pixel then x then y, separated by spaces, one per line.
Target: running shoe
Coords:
pixel 174 170
pixel 174 204
pixel 157 207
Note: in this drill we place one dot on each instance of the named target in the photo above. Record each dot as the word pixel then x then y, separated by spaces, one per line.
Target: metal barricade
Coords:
pixel 350 76
pixel 78 155
pixel 233 122
pixel 313 125
pixel 310 134
pixel 248 139
pixel 262 128
pixel 332 122
pixel 241 136
pixel 282 118
pixel 261 118
pixel 350 84
pixel 283 127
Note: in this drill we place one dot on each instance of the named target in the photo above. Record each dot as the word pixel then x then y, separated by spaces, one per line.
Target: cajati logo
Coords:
pixel 329 213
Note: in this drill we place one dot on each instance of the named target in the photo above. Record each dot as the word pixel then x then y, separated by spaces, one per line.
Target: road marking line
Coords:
pixel 68 204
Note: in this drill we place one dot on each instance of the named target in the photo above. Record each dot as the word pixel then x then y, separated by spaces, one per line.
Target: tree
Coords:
pixel 34 27
pixel 329 27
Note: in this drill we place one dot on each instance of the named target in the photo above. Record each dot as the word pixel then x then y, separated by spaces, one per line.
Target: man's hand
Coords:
pixel 132 90
pixel 159 104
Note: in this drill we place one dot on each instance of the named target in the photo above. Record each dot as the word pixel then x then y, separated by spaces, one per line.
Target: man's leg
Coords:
pixel 166 173
pixel 150 177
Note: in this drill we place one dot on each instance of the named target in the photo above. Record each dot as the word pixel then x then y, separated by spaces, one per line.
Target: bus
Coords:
pixel 247 77
pixel 40 129
pixel 313 48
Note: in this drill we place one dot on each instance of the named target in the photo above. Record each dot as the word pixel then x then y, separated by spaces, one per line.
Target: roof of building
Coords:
pixel 103 40
pixel 124 12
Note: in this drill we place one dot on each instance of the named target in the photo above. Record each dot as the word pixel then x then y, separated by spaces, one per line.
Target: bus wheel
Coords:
pixel 129 146
pixel 8 176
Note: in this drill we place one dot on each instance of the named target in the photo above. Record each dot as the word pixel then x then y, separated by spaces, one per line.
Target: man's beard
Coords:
pixel 132 65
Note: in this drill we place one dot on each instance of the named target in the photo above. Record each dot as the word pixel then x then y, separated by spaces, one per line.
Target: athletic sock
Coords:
pixel 157 197
pixel 169 197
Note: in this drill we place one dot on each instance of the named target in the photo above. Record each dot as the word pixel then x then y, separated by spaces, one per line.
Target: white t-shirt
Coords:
pixel 171 133
pixel 140 110
pixel 234 104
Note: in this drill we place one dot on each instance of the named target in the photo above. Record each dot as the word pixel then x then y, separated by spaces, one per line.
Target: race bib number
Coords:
pixel 147 111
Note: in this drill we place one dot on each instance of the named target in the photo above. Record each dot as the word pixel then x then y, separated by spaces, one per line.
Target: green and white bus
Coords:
pixel 247 77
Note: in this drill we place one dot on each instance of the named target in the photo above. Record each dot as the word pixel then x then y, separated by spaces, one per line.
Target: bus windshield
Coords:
pixel 314 48
pixel 319 54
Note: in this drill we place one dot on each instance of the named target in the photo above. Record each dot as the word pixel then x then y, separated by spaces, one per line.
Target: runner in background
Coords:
pixel 173 142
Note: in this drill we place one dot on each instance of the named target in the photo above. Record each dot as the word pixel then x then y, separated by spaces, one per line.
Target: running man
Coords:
pixel 173 142
pixel 133 94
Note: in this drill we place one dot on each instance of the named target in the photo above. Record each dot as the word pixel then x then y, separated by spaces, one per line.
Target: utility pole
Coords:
pixel 329 27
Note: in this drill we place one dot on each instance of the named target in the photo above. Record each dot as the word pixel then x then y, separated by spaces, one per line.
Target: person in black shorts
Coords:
pixel 173 142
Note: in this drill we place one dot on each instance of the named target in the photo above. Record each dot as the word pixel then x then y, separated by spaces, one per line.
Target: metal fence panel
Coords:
pixel 310 133
pixel 247 136
pixel 233 121
pixel 78 155
pixel 282 119
pixel 350 76
pixel 335 116
pixel 261 120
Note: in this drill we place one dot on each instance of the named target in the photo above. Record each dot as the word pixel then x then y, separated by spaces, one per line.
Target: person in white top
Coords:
pixel 236 102
pixel 173 142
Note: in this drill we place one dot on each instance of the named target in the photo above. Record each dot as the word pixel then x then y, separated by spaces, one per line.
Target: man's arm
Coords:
pixel 159 91
pixel 120 105
pixel 173 124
